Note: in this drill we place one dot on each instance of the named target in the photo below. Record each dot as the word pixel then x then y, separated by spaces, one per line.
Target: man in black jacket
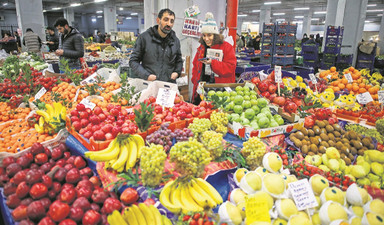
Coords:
pixel 53 39
pixel 71 43
pixel 157 54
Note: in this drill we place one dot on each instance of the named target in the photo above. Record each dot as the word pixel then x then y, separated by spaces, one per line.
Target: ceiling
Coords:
pixel 245 7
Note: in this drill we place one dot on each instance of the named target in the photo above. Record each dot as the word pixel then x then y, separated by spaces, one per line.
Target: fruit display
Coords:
pixel 8 112
pixel 253 151
pixel 52 120
pixel 213 142
pixel 219 122
pixel 152 160
pixel 368 132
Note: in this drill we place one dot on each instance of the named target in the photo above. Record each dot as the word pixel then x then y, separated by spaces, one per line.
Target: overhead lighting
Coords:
pixel 100 0
pixel 5 3
pixel 75 4
pixel 305 8
pixel 272 3
pixel 56 8
pixel 299 17
pixel 256 10
pixel 279 14
pixel 323 21
pixel 371 5
pixel 367 21
pixel 134 14
pixel 99 16
pixel 280 19
pixel 128 18
pixel 121 8
pixel 44 10
pixel 379 14
pixel 297 22
pixel 320 12
pixel 99 11
pixel 374 10
pixel 255 22
pixel 94 20
pixel 242 15
pixel 315 19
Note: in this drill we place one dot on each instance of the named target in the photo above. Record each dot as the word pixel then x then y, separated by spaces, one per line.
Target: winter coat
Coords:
pixel 32 41
pixel 225 69
pixel 55 39
pixel 73 46
pixel 153 54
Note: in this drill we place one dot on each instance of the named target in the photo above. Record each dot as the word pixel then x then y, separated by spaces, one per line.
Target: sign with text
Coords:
pixel 278 78
pixel 40 93
pixel 166 97
pixel 256 210
pixel 192 28
pixel 77 95
pixel 251 86
pixel 364 98
pixel 313 78
pixel 302 194
pixel 329 76
pixel 381 96
pixel 88 104
pixel 348 76
pixel 90 80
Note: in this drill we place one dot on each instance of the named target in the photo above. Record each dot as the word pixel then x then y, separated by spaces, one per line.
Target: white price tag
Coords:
pixel 88 104
pixel 90 80
pixel 364 98
pixel 302 194
pixel 278 74
pixel 329 77
pixel 250 85
pixel 77 95
pixel 313 78
pixel 228 89
pixel 348 76
pixel 381 96
pixel 40 93
pixel 166 97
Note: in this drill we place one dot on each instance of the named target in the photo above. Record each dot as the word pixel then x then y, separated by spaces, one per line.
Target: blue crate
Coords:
pixel 286 28
pixel 269 28
pixel 331 50
pixel 266 59
pixel 284 49
pixel 363 56
pixel 267 39
pixel 364 65
pixel 347 59
pixel 310 56
pixel 267 48
pixel 285 39
pixel 283 60
pixel 333 40
pixel 329 58
pixel 326 66
pixel 310 48
pixel 333 30
pixel 311 64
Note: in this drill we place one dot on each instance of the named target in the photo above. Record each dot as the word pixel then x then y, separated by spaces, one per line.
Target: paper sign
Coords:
pixel 88 104
pixel 348 77
pixel 250 85
pixel 302 194
pixel 256 209
pixel 278 74
pixel 40 93
pixel 329 77
pixel 166 97
pixel 200 89
pixel 381 96
pixel 90 80
pixel 313 78
pixel 364 98
pixel 191 27
pixel 77 95
pixel 192 11
pixel 228 89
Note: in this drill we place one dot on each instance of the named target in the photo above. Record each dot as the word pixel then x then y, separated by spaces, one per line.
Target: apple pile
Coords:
pixel 100 124
pixel 320 114
pixel 55 187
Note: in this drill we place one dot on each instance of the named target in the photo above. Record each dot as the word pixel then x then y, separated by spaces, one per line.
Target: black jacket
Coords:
pixel 73 46
pixel 155 55
pixel 55 39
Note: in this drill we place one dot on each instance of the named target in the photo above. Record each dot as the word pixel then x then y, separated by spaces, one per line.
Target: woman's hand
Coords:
pixel 207 62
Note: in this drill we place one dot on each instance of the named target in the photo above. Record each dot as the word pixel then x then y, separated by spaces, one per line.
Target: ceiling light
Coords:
pixel 99 16
pixel 44 10
pixel 255 22
pixel 99 11
pixel 320 12
pixel 374 10
pixel 305 8
pixel 280 19
pixel 272 3
pixel 128 18
pixel 299 17
pixel 297 22
pixel 134 14
pixel 75 4
pixel 56 8
pixel 379 14
pixel 100 0
pixel 242 15
pixel 279 14
pixel 367 21
pixel 256 10
pixel 121 8
pixel 371 5
pixel 5 3
pixel 315 19
pixel 94 20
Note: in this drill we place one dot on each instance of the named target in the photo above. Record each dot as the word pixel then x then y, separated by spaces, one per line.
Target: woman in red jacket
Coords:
pixel 219 65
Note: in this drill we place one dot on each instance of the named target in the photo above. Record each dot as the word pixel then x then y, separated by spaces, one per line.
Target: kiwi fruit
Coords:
pixel 316 129
pixel 366 142
pixel 339 145
pixel 304 131
pixel 329 128
pixel 336 133
pixel 314 140
pixel 306 138
pixel 324 137
pixel 311 133
pixel 299 135
pixel 364 148
pixel 323 131
pixel 331 136
pixel 352 135
pixel 326 122
pixel 297 143
pixel 344 140
pixel 342 156
pixel 347 161
pixel 303 142
pixel 357 144
pixel 336 127
pixel 331 143
pixel 351 157
pixel 371 146
pixel 319 123
pixel 325 144
pixel 322 149
pixel 360 152
pixel 304 149
pixel 313 148
pixel 292 135
pixel 345 149
pixel 320 154
pixel 337 139
pixel 353 151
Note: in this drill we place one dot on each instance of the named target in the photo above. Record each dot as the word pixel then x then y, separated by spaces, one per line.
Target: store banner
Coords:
pixel 191 27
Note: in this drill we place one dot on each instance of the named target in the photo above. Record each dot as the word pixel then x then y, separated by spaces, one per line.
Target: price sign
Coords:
pixel 329 77
pixel 348 77
pixel 166 97
pixel 256 210
pixel 40 93
pixel 313 78
pixel 381 96
pixel 200 89
pixel 88 104
pixel 250 85
pixel 228 89
pixel 302 194
pixel 77 95
pixel 90 80
pixel 278 74
pixel 364 98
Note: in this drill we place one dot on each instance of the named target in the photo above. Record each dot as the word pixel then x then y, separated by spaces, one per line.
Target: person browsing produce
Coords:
pixel 206 65
pixel 157 54
pixel 53 40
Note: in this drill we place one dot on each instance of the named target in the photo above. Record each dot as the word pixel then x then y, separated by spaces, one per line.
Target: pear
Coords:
pixel 308 159
pixel 342 164
pixel 377 168
pixel 316 160
pixel 333 164
pixel 324 158
pixel 358 171
pixel 372 177
pixel 332 153
pixel 363 181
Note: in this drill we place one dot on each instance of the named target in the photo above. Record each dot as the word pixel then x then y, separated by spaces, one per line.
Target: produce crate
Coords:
pixel 286 28
pixel 325 66
pixel 283 60
pixel 344 58
pixel 268 28
pixel 311 64
pixel 333 30
pixel 285 39
pixel 284 49
pixel 329 58
pixel 363 56
pixel 364 65
pixel 267 39
pixel 309 48
pixel 310 56
pixel 332 50
pixel 304 71
pixel 267 49
pixel 266 59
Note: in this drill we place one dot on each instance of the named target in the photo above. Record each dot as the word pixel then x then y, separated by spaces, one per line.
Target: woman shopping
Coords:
pixel 215 60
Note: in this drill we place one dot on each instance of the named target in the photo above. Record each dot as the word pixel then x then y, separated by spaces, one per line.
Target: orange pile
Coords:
pixel 332 71
pixel 7 113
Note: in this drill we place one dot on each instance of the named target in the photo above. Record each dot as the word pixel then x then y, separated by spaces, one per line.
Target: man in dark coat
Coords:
pixel 53 39
pixel 71 43
pixel 157 54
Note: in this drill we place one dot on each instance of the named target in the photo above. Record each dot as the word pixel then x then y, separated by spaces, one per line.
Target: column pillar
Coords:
pixel 354 18
pixel 307 23
pixel 84 24
pixel 30 15
pixel 339 19
pixel 330 17
pixel 265 16
pixel 46 20
pixel 381 36
pixel 69 15
pixel 150 13
pixel 110 23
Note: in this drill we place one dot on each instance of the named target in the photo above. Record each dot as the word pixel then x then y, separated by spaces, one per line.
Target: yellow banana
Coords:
pixel 57 109
pixel 207 187
pixel 123 157
pixel 164 198
pixel 111 220
pixel 50 109
pixel 111 152
pixel 130 217
pixel 175 196
pixel 118 218
pixel 43 114
pixel 41 121
pixel 139 215
pixel 149 217
pixel 139 143
pixel 211 203
pixel 199 199
pixel 156 214
pixel 63 113
pixel 132 155
pixel 189 205
pixel 108 164
pixel 39 129
pixel 166 221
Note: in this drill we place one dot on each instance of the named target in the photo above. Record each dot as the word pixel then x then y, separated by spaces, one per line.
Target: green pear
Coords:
pixel 324 157
pixel 365 165
pixel 372 177
pixel 363 181
pixel 342 164
pixel 377 168
pixel 316 160
pixel 308 159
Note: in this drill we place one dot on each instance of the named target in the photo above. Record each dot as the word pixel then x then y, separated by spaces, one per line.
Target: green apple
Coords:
pixel 246 97
pixel 245 88
pixel 263 122
pixel 247 93
pixel 254 125
pixel 260 115
pixel 240 93
pixel 238 109
pixel 262 102
pixel 265 109
pixel 232 97
pixel 273 123
pixel 226 94
pixel 253 96
pixel 231 105
pixel 245 121
pixel 239 88
pixel 235 117
pixel 229 117
pixel 256 109
pixel 247 104
pixel 211 93
pixel 249 114
pixel 219 93
pixel 253 102
pixel 280 121
pixel 238 100
pixel 252 92
pixel 233 93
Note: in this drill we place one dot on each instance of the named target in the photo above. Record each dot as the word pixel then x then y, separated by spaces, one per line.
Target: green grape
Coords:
pixel 199 126
pixel 190 157
pixel 253 152
pixel 213 142
pixel 219 122
pixel 152 165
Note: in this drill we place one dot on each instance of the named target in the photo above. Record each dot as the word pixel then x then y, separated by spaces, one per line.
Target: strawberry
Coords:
pixel 186 217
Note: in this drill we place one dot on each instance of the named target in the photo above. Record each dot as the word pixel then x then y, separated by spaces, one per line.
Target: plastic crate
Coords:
pixel 286 28
pixel 364 65
pixel 333 30
pixel 331 50
pixel 283 60
pixel 329 58
pixel 269 28
pixel 284 49
pixel 310 48
pixel 311 64
pixel 266 48
pixel 285 39
pixel 267 39
pixel 266 59
pixel 363 56
pixel 310 56
pixel 304 71
pixel 333 40
pixel 347 59
pixel 325 66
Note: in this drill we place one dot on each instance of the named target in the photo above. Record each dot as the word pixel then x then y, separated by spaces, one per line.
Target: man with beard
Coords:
pixel 71 43
pixel 157 54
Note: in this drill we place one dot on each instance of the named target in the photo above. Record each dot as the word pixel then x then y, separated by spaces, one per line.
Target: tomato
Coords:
pixel 129 196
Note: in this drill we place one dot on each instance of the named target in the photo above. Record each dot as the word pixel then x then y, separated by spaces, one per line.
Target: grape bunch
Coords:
pixel 219 121
pixel 213 142
pixel 199 126
pixel 253 152
pixel 152 165
pixel 182 135
pixel 190 157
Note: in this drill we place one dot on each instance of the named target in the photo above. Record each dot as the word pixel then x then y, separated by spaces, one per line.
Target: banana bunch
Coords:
pixel 192 196
pixel 116 218
pixel 122 153
pixel 142 214
pixel 365 72
pixel 51 119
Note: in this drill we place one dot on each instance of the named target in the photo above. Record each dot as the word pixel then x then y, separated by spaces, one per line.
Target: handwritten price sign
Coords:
pixel 278 75
pixel 364 98
pixel 166 97
pixel 88 104
pixel 302 194
pixel 256 209
pixel 381 96
pixel 348 77
pixel 313 78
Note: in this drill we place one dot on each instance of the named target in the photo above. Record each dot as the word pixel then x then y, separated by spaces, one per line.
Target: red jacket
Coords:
pixel 225 69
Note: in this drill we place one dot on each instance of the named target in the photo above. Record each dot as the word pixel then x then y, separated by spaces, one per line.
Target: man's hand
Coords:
pixel 174 75
pixel 207 62
pixel 59 52
pixel 151 77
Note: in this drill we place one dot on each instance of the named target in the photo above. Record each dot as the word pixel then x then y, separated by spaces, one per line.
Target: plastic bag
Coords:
pixel 228 38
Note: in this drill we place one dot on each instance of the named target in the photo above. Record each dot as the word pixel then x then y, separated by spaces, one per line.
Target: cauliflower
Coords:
pixel 380 126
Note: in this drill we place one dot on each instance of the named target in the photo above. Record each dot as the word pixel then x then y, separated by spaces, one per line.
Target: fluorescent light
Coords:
pixel 56 8
pixel 305 8
pixel 256 10
pixel 99 11
pixel 371 5
pixel 75 4
pixel 299 17
pixel 94 20
pixel 5 3
pixel 367 21
pixel 374 10
pixel 121 8
pixel 99 16
pixel 272 3
pixel 128 18
pixel 297 21
pixel 242 15
pixel 279 14
pixel 255 22
pixel 100 0
pixel 320 12
pixel 44 10
pixel 134 14
pixel 280 19
pixel 315 19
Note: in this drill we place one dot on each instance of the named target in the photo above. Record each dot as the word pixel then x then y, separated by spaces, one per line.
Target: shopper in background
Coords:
pixel 256 42
pixel 156 54
pixel 239 42
pixel 7 37
pixel 318 39
pixel 247 38
pixel 32 41
pixel 71 43
pixel 53 39
pixel 212 70
pixel 108 39
pixel 17 37
pixel 311 40
pixel 304 39
pixel 100 37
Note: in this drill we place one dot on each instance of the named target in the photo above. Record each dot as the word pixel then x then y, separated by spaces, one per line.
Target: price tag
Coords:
pixel 90 80
pixel 40 93
pixel 250 85
pixel 77 95
pixel 228 89
pixel 313 78
pixel 348 77
pixel 329 77
pixel 166 97
pixel 364 98
pixel 381 96
pixel 302 194
pixel 278 74
pixel 293 72
pixel 200 89
pixel 256 210
pixel 88 104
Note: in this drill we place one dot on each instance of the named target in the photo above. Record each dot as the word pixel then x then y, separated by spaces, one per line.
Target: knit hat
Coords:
pixel 209 26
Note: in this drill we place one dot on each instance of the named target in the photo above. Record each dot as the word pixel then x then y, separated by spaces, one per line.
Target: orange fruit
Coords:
pixel 349 86
pixel 344 81
pixel 362 85
pixel 362 90
pixel 335 83
pixel 355 88
pixel 333 69
pixel 341 86
pixel 336 89
pixel 351 69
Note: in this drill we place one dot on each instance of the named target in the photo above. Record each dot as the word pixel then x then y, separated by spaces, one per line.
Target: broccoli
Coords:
pixel 380 126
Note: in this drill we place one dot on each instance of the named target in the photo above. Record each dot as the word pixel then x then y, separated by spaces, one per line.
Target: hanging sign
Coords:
pixel 192 11
pixel 191 27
